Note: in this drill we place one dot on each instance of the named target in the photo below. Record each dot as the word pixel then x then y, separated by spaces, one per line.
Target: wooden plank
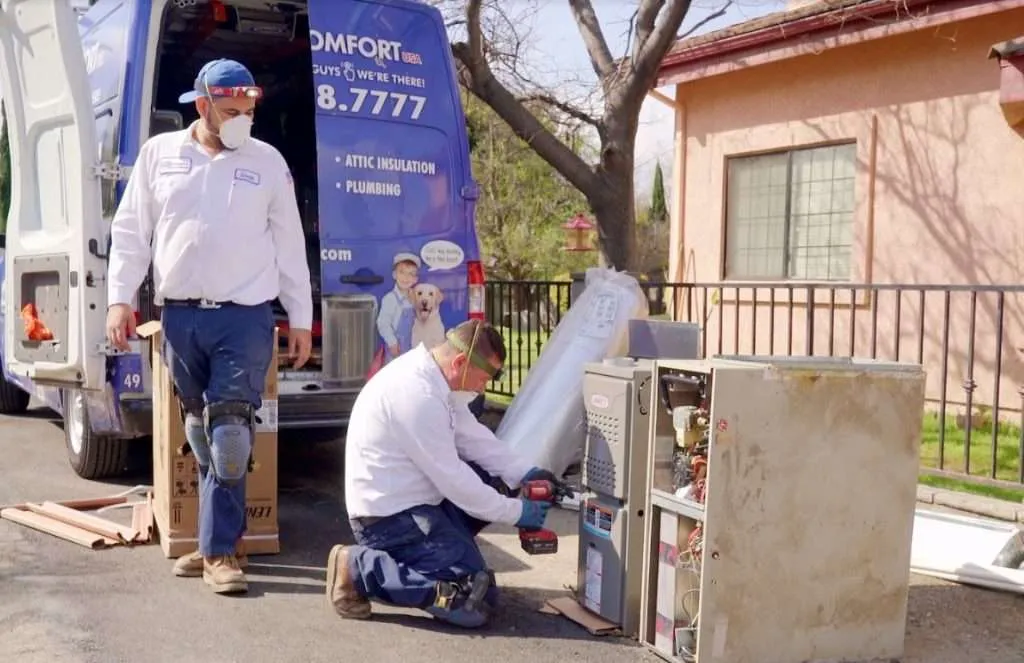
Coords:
pixel 57 528
pixel 142 521
pixel 87 503
pixel 85 521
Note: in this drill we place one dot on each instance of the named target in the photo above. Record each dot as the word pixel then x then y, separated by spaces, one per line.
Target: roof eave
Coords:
pixel 828 17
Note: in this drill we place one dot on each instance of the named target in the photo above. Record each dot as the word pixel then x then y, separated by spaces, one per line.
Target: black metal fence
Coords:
pixel 970 340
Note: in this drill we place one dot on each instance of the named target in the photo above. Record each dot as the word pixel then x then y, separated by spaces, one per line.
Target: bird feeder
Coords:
pixel 579 234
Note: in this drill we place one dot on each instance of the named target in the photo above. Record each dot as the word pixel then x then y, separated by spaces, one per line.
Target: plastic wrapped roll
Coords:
pixel 546 419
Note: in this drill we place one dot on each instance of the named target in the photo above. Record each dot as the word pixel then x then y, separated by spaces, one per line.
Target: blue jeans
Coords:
pixel 400 558
pixel 218 355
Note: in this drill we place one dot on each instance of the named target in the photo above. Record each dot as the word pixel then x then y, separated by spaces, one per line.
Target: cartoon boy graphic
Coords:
pixel 394 322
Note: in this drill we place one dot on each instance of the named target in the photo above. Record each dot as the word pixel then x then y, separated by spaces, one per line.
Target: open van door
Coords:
pixel 54 271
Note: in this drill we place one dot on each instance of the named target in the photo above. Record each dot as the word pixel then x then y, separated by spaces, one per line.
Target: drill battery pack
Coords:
pixel 538 542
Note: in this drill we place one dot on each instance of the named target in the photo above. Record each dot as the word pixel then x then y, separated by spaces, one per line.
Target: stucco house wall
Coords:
pixel 935 186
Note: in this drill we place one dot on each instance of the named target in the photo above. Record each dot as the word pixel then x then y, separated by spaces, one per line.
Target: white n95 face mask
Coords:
pixel 463 397
pixel 235 131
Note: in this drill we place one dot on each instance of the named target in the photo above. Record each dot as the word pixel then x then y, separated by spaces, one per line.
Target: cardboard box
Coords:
pixel 176 479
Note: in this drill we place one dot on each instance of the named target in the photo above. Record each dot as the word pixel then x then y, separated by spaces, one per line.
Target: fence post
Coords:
pixel 576 289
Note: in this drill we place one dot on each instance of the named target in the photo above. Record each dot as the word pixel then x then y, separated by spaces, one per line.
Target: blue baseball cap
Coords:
pixel 221 78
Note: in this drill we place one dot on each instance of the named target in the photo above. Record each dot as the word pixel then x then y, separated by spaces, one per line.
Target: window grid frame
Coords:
pixel 787 239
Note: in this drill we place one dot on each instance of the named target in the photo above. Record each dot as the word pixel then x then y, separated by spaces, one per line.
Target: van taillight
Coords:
pixel 475 280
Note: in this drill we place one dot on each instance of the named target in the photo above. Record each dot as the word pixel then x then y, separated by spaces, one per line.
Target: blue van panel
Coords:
pixel 135 65
pixel 392 157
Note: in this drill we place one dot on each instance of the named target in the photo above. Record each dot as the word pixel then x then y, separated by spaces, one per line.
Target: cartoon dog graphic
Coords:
pixel 427 327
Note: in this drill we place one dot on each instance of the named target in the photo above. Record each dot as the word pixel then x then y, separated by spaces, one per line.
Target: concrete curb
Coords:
pixel 976 504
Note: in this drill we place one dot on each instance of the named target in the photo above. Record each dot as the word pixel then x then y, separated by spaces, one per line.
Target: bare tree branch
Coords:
pixel 646 15
pixel 718 13
pixel 593 38
pixel 477 76
pixel 629 34
pixel 567 108
pixel 650 48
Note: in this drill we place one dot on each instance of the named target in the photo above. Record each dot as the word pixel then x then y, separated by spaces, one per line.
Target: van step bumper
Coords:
pixel 315 409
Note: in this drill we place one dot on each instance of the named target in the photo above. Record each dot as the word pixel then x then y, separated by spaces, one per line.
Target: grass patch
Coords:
pixel 954 456
pixel 962 486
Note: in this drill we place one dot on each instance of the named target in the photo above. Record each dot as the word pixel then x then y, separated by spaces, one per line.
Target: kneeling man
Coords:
pixel 422 478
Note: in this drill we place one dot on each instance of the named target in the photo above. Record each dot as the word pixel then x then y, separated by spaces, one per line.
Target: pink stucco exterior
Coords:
pixel 939 189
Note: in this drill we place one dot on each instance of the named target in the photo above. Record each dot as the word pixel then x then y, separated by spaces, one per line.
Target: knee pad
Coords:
pixel 195 430
pixel 467 603
pixel 229 426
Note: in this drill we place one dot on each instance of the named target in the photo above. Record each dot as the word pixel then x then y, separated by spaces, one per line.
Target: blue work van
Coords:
pixel 361 98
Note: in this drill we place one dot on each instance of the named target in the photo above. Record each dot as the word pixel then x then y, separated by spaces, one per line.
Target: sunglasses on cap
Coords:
pixel 474 357
pixel 248 91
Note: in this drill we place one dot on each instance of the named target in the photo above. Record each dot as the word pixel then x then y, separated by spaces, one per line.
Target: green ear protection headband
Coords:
pixel 474 357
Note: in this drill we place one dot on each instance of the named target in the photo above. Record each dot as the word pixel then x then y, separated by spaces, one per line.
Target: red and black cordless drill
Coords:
pixel 541 541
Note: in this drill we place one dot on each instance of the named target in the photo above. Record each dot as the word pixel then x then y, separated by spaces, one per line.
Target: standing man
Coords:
pixel 422 478
pixel 218 209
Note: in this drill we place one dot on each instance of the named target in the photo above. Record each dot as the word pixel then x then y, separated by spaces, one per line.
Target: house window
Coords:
pixel 789 215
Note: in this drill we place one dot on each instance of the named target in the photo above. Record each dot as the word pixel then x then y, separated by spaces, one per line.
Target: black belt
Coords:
pixel 197 303
pixel 367 521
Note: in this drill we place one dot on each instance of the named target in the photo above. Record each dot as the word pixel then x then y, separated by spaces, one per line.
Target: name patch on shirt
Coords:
pixel 245 175
pixel 174 165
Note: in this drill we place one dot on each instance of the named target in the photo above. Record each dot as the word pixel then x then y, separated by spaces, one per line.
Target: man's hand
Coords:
pixel 533 514
pixel 539 474
pixel 120 326
pixel 300 345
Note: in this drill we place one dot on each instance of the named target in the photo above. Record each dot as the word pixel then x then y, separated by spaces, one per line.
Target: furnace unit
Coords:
pixel 617 396
pixel 780 509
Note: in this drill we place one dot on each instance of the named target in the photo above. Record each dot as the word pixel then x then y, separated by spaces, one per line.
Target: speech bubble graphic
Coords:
pixel 442 254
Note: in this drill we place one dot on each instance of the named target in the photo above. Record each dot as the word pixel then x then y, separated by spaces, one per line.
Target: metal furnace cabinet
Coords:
pixel 780 509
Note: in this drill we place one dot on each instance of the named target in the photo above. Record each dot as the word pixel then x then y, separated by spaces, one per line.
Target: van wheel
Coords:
pixel 91 456
pixel 12 399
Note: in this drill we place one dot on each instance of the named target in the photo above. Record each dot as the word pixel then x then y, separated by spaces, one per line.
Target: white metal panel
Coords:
pixel 55 198
pixel 809 513
pixel 965 549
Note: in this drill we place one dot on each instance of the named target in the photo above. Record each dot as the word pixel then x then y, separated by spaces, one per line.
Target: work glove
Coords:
pixel 539 474
pixel 534 513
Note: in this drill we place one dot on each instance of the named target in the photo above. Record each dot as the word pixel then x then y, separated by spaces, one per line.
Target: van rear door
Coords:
pixel 55 228
pixel 395 197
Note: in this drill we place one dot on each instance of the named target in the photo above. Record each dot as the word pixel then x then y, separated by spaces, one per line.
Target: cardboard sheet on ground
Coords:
pixel 545 421
pixel 569 608
pixel 964 549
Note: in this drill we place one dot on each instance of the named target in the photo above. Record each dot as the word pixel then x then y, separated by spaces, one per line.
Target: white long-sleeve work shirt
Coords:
pixel 223 228
pixel 408 445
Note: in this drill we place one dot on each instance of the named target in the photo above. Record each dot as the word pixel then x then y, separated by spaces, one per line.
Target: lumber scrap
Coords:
pixel 86 521
pixel 61 530
pixel 85 504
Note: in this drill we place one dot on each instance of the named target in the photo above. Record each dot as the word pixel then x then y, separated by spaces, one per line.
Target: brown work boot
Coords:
pixel 341 592
pixel 222 573
pixel 191 565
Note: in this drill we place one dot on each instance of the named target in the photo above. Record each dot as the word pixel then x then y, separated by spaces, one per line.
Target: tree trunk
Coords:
pixel 613 203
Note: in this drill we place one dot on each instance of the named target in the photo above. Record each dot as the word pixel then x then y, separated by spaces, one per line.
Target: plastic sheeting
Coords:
pixel 546 419
pixel 968 550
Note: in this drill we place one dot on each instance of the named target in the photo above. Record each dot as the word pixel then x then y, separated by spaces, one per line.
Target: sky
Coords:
pixel 556 53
